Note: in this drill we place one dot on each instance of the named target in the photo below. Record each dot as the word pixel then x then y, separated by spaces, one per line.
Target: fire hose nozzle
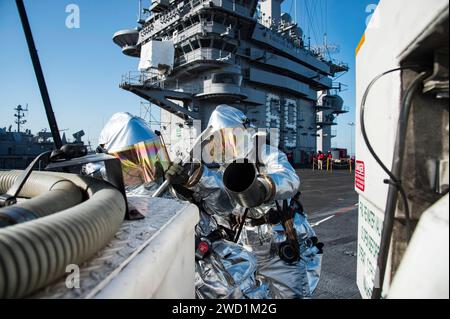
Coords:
pixel 246 186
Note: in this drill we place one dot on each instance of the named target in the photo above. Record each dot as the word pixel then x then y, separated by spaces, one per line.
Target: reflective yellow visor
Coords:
pixel 144 162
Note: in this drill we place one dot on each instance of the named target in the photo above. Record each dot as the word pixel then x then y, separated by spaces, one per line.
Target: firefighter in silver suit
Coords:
pixel 269 223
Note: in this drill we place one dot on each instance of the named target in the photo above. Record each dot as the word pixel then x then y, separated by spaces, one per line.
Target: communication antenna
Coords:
pixel 295 11
pixel 39 74
pixel 140 20
pixel 20 116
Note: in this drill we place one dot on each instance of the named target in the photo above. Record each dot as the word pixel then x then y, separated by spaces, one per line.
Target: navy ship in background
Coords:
pixel 195 55
pixel 18 148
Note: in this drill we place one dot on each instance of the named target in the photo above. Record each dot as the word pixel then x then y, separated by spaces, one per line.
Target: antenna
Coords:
pixel 39 74
pixel 295 11
pixel 140 20
pixel 20 115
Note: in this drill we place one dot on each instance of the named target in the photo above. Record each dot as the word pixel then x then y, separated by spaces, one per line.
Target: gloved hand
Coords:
pixel 184 174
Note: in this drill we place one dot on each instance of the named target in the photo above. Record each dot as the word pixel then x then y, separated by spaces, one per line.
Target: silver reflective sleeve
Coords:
pixel 211 192
pixel 278 168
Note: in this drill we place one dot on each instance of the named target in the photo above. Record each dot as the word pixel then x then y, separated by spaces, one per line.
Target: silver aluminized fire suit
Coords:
pixel 230 270
pixel 283 280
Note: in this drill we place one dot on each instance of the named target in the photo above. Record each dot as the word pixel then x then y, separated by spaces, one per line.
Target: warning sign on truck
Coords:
pixel 370 225
pixel 360 174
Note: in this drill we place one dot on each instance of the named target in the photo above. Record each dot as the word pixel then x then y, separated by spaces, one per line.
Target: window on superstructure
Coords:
pixel 195 44
pixel 187 48
pixel 218 18
pixel 218 44
pixel 196 19
pixel 205 43
pixel 187 23
pixel 230 47
pixel 225 78
pixel 178 52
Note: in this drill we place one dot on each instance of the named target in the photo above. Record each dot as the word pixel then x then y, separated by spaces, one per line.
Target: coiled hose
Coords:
pixel 36 253
pixel 48 195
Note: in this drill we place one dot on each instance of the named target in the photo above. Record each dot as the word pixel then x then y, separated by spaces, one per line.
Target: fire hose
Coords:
pixel 35 253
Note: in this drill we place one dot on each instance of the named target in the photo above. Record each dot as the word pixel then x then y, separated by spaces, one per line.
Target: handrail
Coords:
pixel 320 118
pixel 154 80
pixel 208 54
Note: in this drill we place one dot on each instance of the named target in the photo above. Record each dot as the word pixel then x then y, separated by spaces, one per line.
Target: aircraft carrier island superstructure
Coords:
pixel 195 55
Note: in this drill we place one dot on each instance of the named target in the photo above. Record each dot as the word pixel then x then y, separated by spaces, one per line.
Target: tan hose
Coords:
pixel 50 194
pixel 36 253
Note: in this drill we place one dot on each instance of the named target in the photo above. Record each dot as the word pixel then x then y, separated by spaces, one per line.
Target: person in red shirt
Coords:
pixel 320 158
pixel 330 160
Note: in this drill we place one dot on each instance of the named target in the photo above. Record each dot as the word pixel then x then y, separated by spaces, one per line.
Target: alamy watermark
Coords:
pixel 73 278
pixel 372 20
pixel 227 145
pixel 73 19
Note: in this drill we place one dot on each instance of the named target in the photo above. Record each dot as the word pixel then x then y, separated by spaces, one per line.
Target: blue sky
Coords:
pixel 83 67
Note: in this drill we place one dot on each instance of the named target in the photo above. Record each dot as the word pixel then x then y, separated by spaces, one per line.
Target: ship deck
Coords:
pixel 330 201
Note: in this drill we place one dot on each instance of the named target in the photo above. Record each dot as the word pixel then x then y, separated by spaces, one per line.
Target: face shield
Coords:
pixel 231 137
pixel 143 156
pixel 227 145
pixel 143 162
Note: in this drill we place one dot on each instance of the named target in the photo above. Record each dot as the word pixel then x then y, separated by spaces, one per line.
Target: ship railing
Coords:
pixel 173 85
pixel 199 88
pixel 207 54
pixel 340 63
pixel 141 77
pixel 233 6
pixel 342 110
pixel 173 15
pixel 202 28
pixel 188 32
pixel 320 118
pixel 289 43
pixel 153 79
pixel 282 39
